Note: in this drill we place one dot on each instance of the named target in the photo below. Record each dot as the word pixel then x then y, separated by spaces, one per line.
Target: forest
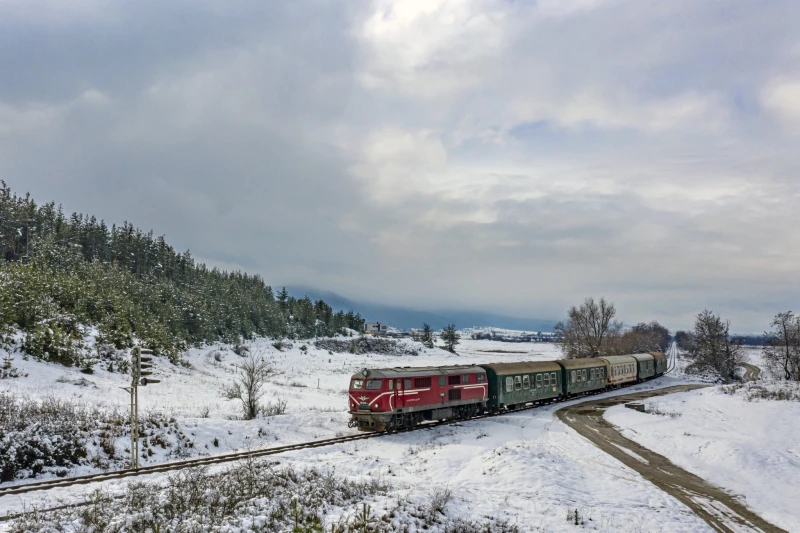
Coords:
pixel 66 279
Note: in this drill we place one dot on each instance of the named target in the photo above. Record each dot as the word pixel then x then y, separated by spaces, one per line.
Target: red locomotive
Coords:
pixel 396 398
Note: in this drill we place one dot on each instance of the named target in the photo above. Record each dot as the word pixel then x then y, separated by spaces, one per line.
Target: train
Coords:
pixel 391 399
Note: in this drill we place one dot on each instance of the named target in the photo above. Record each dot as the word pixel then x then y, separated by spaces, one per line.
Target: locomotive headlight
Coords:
pixel 375 406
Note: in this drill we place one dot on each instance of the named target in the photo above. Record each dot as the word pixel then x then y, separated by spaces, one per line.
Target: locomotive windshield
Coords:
pixel 357 384
pixel 374 384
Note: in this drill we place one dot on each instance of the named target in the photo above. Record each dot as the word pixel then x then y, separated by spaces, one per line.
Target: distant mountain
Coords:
pixel 405 318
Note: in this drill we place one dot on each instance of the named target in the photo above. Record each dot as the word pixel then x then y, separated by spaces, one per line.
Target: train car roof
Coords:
pixel 523 367
pixel 415 371
pixel 643 356
pixel 583 362
pixel 619 359
pixel 658 355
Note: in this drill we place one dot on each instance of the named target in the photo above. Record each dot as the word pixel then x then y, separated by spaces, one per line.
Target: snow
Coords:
pixel 749 448
pixel 526 467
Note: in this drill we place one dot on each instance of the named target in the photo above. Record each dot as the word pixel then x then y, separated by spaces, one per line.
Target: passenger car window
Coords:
pixel 539 380
pixel 517 383
pixel 509 384
pixel 526 382
pixel 374 384
pixel 584 374
pixel 553 379
pixel 357 384
pixel 547 380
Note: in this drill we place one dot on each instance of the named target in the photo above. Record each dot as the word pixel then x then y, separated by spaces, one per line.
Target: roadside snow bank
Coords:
pixel 751 448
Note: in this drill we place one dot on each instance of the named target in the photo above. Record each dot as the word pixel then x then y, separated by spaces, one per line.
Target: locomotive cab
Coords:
pixel 367 394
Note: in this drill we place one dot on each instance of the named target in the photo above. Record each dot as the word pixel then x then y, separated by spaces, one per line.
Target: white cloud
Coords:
pixel 508 155
pixel 782 98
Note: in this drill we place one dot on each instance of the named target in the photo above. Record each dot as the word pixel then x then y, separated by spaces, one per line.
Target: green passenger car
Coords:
pixel 646 364
pixel 513 384
pixel 583 375
pixel 661 362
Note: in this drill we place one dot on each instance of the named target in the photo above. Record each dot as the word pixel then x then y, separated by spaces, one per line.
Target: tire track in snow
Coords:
pixel 721 510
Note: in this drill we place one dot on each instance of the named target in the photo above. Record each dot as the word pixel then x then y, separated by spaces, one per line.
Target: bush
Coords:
pixel 53 436
pixel 7 369
pixel 274 409
pixel 786 391
pixel 38 437
pixel 54 343
pixel 250 495
pixel 366 344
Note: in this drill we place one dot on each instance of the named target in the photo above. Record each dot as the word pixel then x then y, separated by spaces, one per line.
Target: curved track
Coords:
pixel 721 510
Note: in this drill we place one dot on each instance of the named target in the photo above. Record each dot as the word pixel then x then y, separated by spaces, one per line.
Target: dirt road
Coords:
pixel 722 511
pixel 751 372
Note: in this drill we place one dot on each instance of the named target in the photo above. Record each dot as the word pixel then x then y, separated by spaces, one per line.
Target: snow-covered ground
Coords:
pixel 525 468
pixel 312 381
pixel 751 448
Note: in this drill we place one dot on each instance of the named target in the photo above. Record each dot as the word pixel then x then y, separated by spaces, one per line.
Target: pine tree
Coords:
pixel 450 338
pixel 131 284
pixel 427 335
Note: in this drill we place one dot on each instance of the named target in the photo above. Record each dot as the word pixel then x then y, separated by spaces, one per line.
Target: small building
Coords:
pixel 376 328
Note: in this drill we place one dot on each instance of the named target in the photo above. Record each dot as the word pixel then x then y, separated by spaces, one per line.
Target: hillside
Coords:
pixel 73 290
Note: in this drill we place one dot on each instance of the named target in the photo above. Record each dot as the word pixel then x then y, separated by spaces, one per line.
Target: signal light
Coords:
pixel 142 366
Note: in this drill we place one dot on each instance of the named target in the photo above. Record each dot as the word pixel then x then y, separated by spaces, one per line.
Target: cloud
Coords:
pixel 510 156
pixel 781 97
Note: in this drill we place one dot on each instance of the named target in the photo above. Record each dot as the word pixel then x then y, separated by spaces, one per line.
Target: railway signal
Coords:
pixel 141 367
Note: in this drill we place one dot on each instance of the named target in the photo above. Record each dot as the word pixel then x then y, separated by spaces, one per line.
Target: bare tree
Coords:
pixel 782 350
pixel 712 347
pixel 683 339
pixel 643 337
pixel 251 376
pixel 587 330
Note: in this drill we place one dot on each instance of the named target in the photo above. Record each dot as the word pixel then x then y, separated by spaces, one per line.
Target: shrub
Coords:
pixel 7 369
pixel 251 495
pixel 52 435
pixel 274 409
pixel 366 344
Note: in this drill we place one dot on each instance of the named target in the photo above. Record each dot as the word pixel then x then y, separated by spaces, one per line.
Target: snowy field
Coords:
pixel 312 382
pixel 526 469
pixel 751 448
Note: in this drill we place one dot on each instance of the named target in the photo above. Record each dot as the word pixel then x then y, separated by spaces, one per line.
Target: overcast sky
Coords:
pixel 506 156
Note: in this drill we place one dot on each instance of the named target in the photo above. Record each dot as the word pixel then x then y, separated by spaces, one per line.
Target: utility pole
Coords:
pixel 141 363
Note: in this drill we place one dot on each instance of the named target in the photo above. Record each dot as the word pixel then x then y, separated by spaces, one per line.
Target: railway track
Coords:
pixel 237 456
pixel 175 465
